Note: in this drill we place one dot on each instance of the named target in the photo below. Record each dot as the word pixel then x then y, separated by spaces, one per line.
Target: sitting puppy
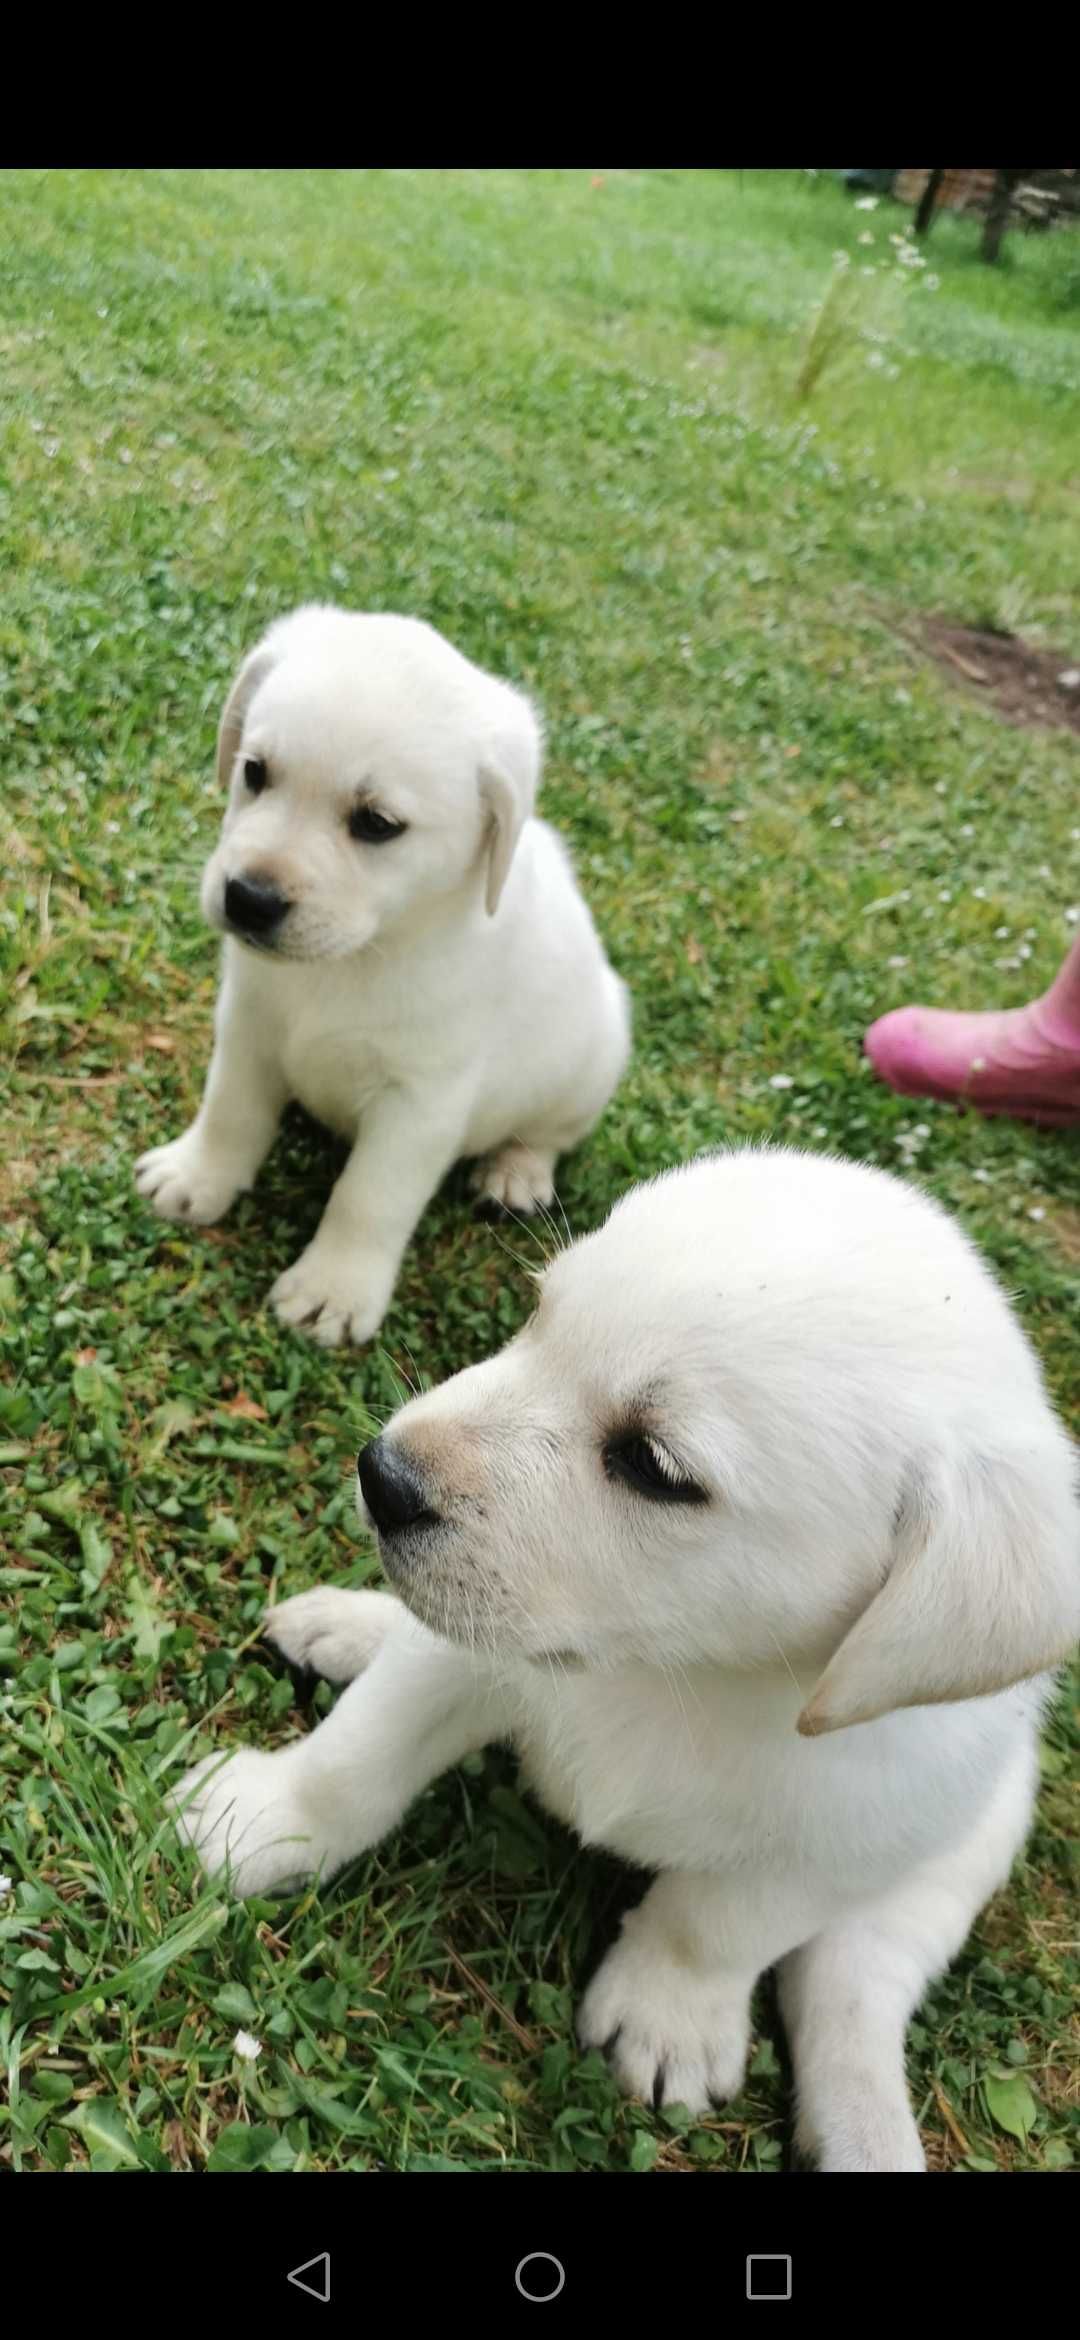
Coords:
pixel 406 952
pixel 757 1543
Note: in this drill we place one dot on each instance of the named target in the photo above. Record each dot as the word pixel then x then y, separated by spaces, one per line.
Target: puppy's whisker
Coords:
pixel 551 1230
pixel 670 1674
pixel 682 1668
pixel 804 1691
pixel 527 1225
pixel 420 1385
pixel 391 1365
pixel 525 1265
pixel 569 1243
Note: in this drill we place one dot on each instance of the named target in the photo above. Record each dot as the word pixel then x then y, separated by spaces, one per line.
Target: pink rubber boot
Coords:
pixel 1023 1061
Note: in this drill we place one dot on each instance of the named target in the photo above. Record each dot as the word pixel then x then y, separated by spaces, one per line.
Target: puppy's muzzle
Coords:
pixel 253 907
pixel 392 1488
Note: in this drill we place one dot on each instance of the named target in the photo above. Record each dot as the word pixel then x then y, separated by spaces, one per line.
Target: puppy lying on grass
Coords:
pixel 406 952
pixel 757 1543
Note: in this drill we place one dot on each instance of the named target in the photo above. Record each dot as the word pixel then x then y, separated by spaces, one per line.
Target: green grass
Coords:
pixel 558 420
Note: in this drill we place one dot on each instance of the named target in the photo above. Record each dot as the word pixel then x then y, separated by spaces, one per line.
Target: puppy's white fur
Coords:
pixel 809 1699
pixel 439 994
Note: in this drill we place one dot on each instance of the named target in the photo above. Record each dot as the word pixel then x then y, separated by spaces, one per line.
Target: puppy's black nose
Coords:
pixel 253 905
pixel 391 1485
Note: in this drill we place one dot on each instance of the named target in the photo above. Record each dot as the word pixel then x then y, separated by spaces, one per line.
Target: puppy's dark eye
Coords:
pixel 254 774
pixel 642 1463
pixel 373 828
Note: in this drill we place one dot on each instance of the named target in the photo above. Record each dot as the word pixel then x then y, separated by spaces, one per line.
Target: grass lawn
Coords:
pixel 556 418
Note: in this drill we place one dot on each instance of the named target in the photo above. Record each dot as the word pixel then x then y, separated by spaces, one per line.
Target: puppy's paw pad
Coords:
pixel 516 1181
pixel 180 1181
pixel 671 2037
pixel 246 1823
pixel 331 1634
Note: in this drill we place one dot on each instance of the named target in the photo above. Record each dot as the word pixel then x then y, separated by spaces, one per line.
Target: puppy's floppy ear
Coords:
pixel 509 771
pixel 254 670
pixel 984 1588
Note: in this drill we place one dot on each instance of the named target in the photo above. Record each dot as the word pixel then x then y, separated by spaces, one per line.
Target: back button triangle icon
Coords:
pixel 313 2276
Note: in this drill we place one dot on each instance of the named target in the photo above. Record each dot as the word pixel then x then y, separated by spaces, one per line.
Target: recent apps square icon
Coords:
pixel 768 2276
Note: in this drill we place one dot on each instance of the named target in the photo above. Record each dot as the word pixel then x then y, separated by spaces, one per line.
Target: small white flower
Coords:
pixel 867 236
pixel 1070 680
pixel 911 1141
pixel 247 2046
pixel 842 259
pixel 875 359
pixel 6 1887
pixel 897 960
pixel 1075 835
pixel 979 893
pixel 1072 914
pixel 945 895
pixel 867 202
pixel 781 1081
pixel 1002 933
pixel 983 1177
pixel 1037 1213
pixel 1044 870
pixel 837 821
pixel 968 829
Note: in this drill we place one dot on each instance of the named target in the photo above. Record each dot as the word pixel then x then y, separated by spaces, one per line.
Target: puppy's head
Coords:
pixel 370 769
pixel 775 1413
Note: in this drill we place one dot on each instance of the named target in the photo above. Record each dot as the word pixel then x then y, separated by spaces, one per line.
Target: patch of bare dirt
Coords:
pixel 1062 1224
pixel 1022 684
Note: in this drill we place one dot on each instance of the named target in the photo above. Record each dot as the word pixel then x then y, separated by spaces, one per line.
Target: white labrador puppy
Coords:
pixel 406 952
pixel 757 1542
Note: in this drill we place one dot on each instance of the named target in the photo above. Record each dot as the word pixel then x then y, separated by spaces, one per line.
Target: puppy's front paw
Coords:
pixel 334 1296
pixel 672 2036
pixel 330 1633
pixel 514 1183
pixel 247 1822
pixel 183 1181
pixel 865 2131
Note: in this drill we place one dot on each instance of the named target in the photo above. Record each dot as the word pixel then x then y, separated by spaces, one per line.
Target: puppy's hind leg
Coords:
pixel 847 1996
pixel 519 1180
